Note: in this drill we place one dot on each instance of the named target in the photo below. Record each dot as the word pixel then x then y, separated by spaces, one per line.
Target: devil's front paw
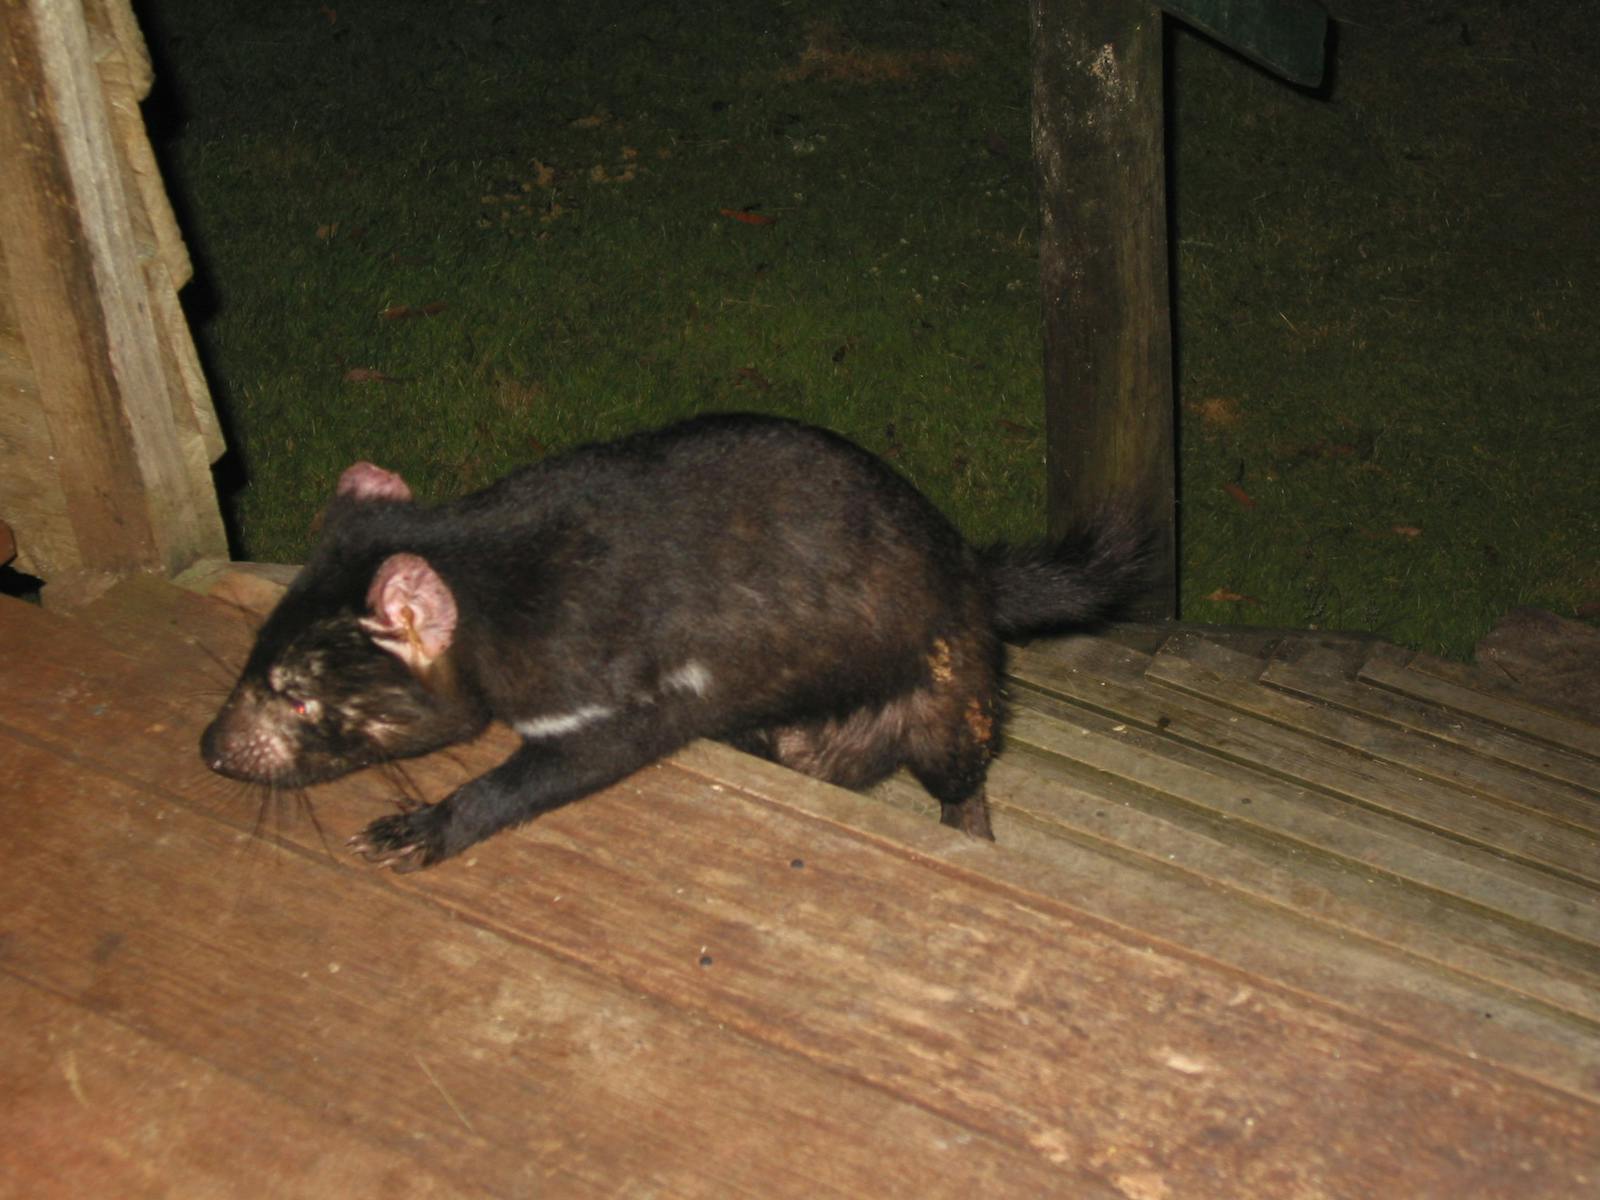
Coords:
pixel 404 841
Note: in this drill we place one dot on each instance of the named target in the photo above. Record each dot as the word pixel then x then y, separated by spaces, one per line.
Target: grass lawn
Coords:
pixel 455 237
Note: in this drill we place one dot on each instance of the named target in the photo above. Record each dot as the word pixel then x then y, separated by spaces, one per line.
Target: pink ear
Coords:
pixel 363 481
pixel 413 613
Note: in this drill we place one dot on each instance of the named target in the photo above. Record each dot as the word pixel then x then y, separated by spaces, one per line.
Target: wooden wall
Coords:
pixel 107 431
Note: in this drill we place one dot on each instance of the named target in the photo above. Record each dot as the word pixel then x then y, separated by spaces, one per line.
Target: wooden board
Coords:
pixel 1181 759
pixel 1252 775
pixel 715 979
pixel 1540 653
pixel 1308 672
pixel 1099 154
pixel 1460 689
pixel 144 1120
pixel 105 443
pixel 332 985
pixel 1197 665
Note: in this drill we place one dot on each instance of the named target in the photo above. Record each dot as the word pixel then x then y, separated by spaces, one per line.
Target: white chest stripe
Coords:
pixel 691 677
pixel 558 724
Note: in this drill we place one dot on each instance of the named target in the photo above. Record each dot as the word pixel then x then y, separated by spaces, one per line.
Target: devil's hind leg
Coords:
pixel 954 729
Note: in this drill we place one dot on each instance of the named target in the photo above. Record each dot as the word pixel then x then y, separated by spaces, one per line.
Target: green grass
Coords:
pixel 1386 297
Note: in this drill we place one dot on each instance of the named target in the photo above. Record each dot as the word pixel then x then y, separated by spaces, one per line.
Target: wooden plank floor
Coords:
pixel 1240 937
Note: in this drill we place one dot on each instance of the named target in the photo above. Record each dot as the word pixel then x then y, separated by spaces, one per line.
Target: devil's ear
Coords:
pixel 364 481
pixel 411 611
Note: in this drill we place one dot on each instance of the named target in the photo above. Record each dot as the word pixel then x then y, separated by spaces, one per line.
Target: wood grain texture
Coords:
pixel 110 396
pixel 1257 780
pixel 329 985
pixel 1491 736
pixel 1098 130
pixel 145 1121
pixel 714 979
pixel 1461 689
pixel 1203 668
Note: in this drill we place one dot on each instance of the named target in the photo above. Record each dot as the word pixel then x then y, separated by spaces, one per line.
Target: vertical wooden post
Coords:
pixel 133 485
pixel 1098 145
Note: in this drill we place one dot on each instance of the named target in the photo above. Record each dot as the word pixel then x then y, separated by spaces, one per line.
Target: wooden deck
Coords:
pixel 1265 919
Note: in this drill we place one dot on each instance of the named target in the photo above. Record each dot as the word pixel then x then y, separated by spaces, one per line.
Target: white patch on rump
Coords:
pixel 558 724
pixel 691 677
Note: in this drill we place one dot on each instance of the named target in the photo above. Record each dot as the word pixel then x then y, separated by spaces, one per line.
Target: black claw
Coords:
pixel 402 842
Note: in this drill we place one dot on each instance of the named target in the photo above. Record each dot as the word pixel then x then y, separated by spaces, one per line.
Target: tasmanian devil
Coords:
pixel 737 577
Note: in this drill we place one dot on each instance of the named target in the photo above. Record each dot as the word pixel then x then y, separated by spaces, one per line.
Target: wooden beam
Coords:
pixel 83 306
pixel 1097 138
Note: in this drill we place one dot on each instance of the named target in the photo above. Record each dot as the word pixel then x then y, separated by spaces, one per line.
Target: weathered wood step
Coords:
pixel 1474 692
pixel 943 977
pixel 1212 672
pixel 1263 779
pixel 1206 772
pixel 1306 672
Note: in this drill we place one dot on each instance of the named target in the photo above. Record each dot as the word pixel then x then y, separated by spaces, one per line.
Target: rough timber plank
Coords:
pixel 123 65
pixel 1213 673
pixel 1312 673
pixel 144 1122
pixel 1234 769
pixel 1469 691
pixel 1541 654
pixel 1486 1024
pixel 28 479
pixel 1375 950
pixel 1481 1009
pixel 1479 943
pixel 1075 1047
pixel 438 1040
pixel 84 309
pixel 519 1071
pixel 1485 950
pixel 1027 1016
pixel 1484 1014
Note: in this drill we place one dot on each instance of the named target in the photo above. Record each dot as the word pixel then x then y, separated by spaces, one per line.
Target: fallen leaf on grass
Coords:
pixel 829 57
pixel 515 395
pixel 1244 499
pixel 891 437
pixel 598 174
pixel 1224 596
pixel 592 121
pixel 748 218
pixel 1217 412
pixel 1407 531
pixel 1325 450
pixel 370 375
pixel 401 312
pixel 1015 428
pixel 753 376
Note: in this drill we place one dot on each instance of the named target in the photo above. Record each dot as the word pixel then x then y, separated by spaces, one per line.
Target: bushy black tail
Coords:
pixel 1086 577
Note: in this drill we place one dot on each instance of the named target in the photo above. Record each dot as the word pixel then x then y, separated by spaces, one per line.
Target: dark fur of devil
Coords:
pixel 735 577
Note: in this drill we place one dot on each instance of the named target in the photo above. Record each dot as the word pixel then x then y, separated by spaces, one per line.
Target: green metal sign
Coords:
pixel 1284 36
